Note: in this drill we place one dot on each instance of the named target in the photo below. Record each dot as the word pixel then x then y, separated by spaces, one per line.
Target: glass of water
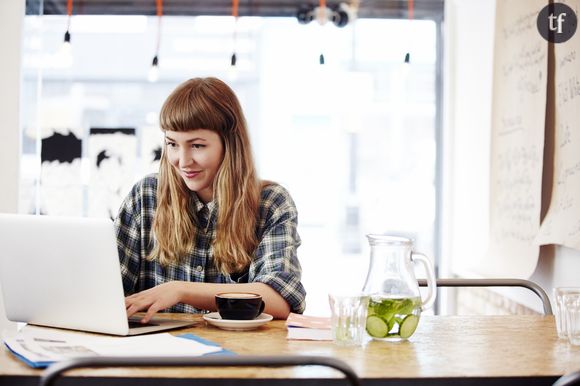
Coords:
pixel 572 313
pixel 560 314
pixel 349 313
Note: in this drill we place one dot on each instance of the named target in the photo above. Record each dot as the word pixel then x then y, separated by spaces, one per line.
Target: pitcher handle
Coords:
pixel 431 282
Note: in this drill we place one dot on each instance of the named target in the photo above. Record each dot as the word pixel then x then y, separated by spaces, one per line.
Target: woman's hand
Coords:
pixel 200 296
pixel 155 299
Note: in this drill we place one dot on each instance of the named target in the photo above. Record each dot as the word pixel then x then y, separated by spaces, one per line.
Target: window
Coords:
pixel 354 140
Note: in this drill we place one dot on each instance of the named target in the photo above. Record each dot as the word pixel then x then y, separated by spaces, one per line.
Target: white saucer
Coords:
pixel 215 319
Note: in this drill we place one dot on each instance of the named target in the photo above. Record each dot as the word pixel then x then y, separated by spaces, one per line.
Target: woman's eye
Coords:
pixel 197 146
pixel 171 144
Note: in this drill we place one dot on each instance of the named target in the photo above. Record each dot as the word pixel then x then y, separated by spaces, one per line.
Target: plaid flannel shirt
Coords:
pixel 275 262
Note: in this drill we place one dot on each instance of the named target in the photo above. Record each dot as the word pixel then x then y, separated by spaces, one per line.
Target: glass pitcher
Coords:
pixel 395 301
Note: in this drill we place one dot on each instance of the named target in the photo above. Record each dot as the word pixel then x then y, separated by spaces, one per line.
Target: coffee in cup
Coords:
pixel 239 305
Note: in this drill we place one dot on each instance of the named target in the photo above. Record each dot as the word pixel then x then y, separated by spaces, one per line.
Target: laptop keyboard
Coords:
pixel 133 324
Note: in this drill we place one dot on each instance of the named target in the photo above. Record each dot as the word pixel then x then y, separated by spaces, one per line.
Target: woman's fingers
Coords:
pixel 153 300
pixel 136 303
pixel 151 311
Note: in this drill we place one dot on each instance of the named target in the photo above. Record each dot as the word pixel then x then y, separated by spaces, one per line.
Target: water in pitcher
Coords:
pixel 393 318
pixel 395 302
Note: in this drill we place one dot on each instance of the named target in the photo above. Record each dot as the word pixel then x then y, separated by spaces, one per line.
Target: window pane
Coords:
pixel 353 140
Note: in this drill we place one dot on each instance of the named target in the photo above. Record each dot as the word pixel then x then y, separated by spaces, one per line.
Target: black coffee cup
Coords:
pixel 239 305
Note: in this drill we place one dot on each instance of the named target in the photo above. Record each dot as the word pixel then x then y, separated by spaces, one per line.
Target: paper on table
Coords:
pixel 163 344
pixel 302 327
pixel 39 347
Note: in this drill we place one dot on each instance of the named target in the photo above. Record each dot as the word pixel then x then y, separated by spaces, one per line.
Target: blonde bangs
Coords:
pixel 188 108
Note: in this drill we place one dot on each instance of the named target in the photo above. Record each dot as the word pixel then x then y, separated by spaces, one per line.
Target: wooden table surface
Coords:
pixel 444 350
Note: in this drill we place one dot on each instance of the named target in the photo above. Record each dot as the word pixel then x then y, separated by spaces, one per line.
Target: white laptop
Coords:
pixel 64 272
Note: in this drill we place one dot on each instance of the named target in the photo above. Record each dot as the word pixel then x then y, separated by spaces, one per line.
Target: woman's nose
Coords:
pixel 185 157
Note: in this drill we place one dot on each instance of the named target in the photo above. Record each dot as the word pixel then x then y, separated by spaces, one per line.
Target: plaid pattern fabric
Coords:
pixel 275 262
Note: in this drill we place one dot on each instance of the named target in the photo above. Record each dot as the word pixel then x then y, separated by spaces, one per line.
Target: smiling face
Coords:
pixel 196 156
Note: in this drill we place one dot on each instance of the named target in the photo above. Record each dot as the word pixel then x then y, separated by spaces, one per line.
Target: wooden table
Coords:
pixel 445 350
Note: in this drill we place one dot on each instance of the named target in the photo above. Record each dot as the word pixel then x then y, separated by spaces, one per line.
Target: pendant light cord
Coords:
pixel 69 9
pixel 235 6
pixel 159 8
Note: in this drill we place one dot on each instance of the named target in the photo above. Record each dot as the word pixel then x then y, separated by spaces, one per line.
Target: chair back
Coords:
pixel 53 372
pixel 571 379
pixel 466 282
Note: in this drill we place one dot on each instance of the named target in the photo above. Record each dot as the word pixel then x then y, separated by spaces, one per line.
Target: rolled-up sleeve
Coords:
pixel 276 262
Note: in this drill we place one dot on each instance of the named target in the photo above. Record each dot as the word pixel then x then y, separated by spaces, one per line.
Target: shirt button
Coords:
pixel 199 268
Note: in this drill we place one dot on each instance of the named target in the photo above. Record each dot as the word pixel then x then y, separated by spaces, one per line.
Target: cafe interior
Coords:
pixel 442 122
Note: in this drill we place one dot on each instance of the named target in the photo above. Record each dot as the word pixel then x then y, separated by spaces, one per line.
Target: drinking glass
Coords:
pixel 560 314
pixel 571 303
pixel 349 313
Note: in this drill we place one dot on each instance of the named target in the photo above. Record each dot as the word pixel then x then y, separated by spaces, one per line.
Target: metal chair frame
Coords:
pixel 54 371
pixel 465 282
pixel 570 379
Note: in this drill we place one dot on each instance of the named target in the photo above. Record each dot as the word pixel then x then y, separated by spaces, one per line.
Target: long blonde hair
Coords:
pixel 208 103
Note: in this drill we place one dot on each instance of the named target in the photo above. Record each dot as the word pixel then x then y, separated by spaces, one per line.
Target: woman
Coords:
pixel 206 224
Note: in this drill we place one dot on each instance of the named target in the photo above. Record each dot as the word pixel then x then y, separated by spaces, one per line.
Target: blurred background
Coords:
pixel 344 114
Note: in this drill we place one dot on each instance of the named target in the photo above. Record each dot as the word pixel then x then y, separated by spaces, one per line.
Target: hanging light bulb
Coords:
pixel 69 9
pixel 322 16
pixel 64 54
pixel 66 42
pixel 406 67
pixel 407 62
pixel 233 71
pixel 64 58
pixel 153 75
pixel 410 14
pixel 234 59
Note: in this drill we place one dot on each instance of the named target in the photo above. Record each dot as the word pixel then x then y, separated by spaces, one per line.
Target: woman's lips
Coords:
pixel 191 174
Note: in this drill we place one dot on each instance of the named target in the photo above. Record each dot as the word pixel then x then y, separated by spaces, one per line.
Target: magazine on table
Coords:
pixel 40 347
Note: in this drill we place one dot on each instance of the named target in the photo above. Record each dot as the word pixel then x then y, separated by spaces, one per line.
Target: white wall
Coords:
pixel 468 76
pixel 11 15
pixel 469 32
